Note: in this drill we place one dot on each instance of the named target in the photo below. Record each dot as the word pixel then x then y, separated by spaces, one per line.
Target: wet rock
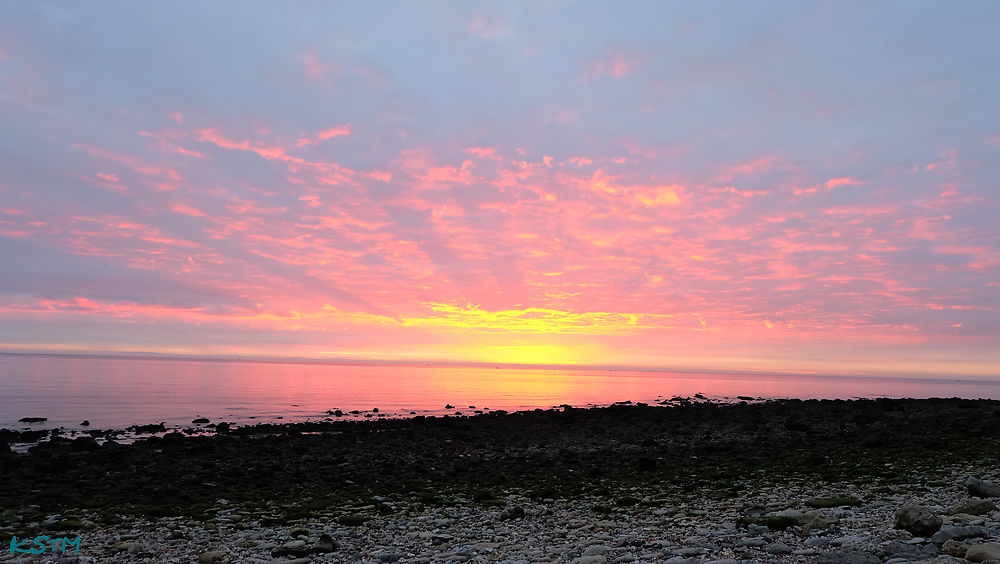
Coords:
pixel 917 520
pixel 982 488
pixel 388 556
pixel 983 552
pixel 85 423
pixel 150 428
pixel 200 420
pixel 33 419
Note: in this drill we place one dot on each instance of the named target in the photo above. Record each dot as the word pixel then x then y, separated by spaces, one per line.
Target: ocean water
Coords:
pixel 117 392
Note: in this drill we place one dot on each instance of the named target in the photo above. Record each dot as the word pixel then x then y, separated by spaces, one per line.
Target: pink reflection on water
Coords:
pixel 116 392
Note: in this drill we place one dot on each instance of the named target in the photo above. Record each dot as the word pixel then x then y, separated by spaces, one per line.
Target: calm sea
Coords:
pixel 116 392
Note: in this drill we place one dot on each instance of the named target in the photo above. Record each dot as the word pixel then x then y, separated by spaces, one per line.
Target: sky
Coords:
pixel 760 186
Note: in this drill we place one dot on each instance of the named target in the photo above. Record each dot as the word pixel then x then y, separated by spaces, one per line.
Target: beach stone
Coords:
pixel 813 542
pixel 515 512
pixel 983 552
pixel 778 548
pixel 799 517
pixel 973 507
pixel 593 559
pixel 917 519
pixel 755 542
pixel 846 557
pixel 594 550
pixel 958 533
pixel 955 548
pixel 213 557
pixel 821 522
pixel 324 544
pixel 982 488
pixel 907 551
pixel 388 556
pixel 966 519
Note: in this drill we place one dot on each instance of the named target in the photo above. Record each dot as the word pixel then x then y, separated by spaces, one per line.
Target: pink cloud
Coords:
pixel 330 133
pixel 842 181
pixel 616 65
pixel 187 210
pixel 316 69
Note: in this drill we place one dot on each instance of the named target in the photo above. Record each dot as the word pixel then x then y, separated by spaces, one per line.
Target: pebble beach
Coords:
pixel 863 481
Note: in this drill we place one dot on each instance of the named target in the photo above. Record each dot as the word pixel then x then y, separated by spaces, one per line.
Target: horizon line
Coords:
pixel 352 361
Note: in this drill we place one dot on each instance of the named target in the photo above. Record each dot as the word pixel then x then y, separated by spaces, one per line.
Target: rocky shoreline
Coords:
pixel 783 481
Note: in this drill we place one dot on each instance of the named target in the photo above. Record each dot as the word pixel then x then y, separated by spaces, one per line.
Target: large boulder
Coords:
pixel 917 519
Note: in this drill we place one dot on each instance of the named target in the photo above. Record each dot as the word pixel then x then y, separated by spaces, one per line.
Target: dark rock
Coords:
pixel 222 428
pixel 85 423
pixel 81 444
pixel 915 552
pixel 515 512
pixel 958 533
pixel 200 420
pixel 325 544
pixel 33 419
pixel 449 406
pixel 917 520
pixel 150 428
pixel 980 488
pixel 296 548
